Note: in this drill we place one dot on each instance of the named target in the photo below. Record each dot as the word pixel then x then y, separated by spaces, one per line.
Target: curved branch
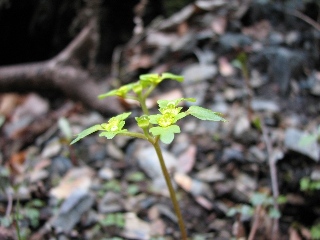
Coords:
pixel 61 73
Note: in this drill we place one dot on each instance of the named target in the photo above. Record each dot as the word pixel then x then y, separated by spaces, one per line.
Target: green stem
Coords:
pixel 171 190
pixel 17 218
pixel 144 106
pixel 134 134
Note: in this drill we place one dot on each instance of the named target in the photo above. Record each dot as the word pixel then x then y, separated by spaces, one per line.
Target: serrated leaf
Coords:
pixel 87 132
pixel 205 114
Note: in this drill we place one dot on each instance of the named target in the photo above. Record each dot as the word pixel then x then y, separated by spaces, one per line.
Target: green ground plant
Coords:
pixel 154 127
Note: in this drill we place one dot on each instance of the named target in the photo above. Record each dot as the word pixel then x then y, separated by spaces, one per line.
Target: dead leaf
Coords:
pixel 75 179
pixel 8 103
pixel 219 24
pixel 225 68
pixel 259 31
pixel 293 234
pixel 187 159
pixel 16 163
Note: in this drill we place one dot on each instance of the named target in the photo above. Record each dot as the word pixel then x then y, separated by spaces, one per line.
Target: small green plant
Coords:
pixel 307 184
pixel 258 199
pixel 113 219
pixel 154 127
pixel 310 138
pixel 315 231
pixel 259 202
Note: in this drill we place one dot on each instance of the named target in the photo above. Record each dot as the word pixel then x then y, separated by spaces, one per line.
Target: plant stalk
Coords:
pixel 171 190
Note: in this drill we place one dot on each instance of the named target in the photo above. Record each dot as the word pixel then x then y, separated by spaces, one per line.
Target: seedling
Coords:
pixel 155 127
pixel 259 202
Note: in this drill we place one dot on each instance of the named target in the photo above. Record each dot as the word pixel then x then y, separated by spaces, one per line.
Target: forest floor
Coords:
pixel 256 176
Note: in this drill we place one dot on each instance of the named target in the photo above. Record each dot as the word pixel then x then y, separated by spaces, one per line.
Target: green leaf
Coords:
pixel 65 127
pixel 246 210
pixel 108 135
pixel 136 177
pixel 307 140
pixel 108 94
pixel 164 103
pixel 132 189
pixel 258 199
pixel 172 76
pixel 282 199
pixel 232 212
pixel 154 118
pixel 155 78
pixel 2 120
pixel 167 137
pixel 315 231
pixel 205 114
pixel 121 92
pixel 143 121
pixel 87 132
pixel 305 184
pixel 166 133
pixel 123 116
pixel 274 213
pixel 156 131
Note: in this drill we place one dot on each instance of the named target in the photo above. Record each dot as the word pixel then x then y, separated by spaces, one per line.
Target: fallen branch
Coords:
pixel 64 73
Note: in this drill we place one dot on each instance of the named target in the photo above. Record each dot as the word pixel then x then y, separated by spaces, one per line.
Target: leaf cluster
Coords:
pixel 157 126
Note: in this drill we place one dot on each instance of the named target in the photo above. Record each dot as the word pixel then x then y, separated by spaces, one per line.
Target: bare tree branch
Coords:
pixel 64 73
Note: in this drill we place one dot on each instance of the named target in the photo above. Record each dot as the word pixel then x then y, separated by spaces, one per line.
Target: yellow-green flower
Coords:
pixel 110 129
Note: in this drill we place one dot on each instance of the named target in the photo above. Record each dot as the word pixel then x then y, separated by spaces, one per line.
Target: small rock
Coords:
pixel 232 154
pixel 245 184
pixel 315 89
pixel 114 152
pixel 211 174
pixel 293 142
pixel 241 126
pixel 51 149
pixel 231 41
pixel 76 179
pixel 111 202
pixel 60 165
pixel 184 43
pixel 196 73
pixel 71 211
pixel 193 186
pixel 106 173
pixel 315 174
pixel 256 79
pixel 221 107
pixel 196 91
pixel 149 162
pixel 187 159
pixel 264 105
pixel 256 155
pixel 135 228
